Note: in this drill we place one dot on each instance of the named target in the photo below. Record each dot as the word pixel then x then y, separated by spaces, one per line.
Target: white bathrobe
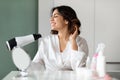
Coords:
pixel 50 57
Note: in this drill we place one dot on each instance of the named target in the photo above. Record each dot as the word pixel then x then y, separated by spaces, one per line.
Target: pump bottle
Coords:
pixel 101 70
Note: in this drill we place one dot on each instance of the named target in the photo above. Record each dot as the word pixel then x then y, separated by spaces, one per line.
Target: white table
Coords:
pixel 57 75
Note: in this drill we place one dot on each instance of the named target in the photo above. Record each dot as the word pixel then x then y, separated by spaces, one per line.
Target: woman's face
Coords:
pixel 57 21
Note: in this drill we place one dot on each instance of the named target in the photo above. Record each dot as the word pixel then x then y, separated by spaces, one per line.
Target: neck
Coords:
pixel 64 33
pixel 63 36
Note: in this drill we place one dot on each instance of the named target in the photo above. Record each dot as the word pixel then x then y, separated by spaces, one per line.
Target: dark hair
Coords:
pixel 70 15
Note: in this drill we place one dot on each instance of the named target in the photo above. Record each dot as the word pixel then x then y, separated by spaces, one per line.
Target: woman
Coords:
pixel 64 49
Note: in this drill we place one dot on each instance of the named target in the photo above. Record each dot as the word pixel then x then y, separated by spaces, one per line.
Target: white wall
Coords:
pixel 44 8
pixel 107 27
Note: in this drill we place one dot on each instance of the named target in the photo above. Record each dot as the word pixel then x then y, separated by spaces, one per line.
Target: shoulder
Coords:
pixel 80 39
pixel 82 43
pixel 48 38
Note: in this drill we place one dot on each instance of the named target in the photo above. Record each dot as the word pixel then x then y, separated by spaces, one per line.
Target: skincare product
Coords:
pixel 94 60
pixel 101 61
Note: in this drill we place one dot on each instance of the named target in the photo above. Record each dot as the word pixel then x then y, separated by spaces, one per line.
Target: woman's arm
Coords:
pixel 37 62
pixel 79 54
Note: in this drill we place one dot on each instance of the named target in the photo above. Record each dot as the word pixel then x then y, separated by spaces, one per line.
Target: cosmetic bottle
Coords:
pixel 101 70
pixel 94 60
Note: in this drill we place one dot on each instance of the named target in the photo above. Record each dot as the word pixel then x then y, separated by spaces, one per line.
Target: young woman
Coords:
pixel 64 49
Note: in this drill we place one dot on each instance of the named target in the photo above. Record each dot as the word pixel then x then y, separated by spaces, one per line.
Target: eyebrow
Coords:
pixel 56 14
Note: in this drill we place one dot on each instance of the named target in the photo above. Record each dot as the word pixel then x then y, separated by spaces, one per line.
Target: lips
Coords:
pixel 52 23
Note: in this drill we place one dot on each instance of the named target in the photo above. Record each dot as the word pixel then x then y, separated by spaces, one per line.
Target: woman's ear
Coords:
pixel 66 22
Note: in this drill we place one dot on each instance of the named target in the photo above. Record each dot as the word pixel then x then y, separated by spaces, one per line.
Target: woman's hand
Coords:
pixel 75 33
pixel 73 39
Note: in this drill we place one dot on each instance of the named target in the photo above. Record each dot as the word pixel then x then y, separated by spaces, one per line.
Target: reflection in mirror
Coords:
pixel 21 60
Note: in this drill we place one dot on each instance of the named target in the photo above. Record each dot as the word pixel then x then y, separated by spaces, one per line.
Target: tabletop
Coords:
pixel 49 75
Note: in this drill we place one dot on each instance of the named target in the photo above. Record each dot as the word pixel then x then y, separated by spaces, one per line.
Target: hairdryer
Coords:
pixel 22 41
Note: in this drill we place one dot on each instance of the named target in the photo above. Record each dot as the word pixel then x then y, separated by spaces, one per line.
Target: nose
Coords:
pixel 51 19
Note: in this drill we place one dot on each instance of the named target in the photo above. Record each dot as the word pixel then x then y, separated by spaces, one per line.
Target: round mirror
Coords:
pixel 21 59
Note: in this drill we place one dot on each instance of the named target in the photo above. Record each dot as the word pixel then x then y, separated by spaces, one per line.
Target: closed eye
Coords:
pixel 55 15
